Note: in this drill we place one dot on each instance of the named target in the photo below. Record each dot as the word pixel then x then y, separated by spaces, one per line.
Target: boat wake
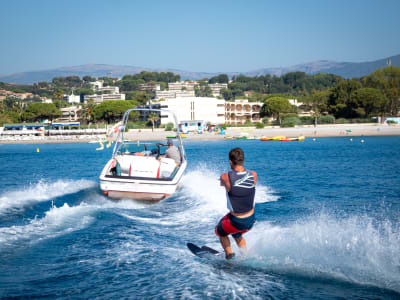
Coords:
pixel 356 249
pixel 57 221
pixel 13 201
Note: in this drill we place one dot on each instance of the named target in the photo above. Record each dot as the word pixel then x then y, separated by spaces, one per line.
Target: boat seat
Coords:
pixel 145 166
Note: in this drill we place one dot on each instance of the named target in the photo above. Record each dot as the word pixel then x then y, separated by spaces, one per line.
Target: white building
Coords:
pixel 98 87
pixel 71 113
pixel 104 97
pixel 195 108
pixel 149 86
pixel 182 86
pixel 295 102
pixel 177 90
pixel 216 88
pixel 240 111
pixel 72 98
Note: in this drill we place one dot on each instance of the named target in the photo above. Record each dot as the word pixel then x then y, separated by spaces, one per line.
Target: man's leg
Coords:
pixel 226 244
pixel 241 242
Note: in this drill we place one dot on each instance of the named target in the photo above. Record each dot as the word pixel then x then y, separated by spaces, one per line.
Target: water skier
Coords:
pixel 240 187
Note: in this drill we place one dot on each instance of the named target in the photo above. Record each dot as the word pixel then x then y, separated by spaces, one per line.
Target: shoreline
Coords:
pixel 340 130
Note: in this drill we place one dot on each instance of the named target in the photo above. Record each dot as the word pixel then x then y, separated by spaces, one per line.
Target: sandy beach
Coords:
pixel 341 130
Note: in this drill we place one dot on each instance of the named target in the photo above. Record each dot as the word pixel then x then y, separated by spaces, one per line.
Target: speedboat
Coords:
pixel 139 170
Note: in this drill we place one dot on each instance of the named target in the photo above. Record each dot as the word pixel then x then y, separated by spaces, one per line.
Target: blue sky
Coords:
pixel 207 36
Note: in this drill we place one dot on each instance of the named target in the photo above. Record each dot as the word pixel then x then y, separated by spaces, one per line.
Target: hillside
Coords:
pixel 344 69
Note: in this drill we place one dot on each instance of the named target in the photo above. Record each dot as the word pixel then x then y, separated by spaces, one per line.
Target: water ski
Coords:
pixel 203 251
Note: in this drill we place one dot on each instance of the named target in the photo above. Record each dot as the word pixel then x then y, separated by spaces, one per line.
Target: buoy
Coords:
pixel 313 140
pixel 37 150
pixel 362 141
pixel 351 140
pixel 101 146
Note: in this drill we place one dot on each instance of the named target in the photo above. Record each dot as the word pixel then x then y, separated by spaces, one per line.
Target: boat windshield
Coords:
pixel 146 149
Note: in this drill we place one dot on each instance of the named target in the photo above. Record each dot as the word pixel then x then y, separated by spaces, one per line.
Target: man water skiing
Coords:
pixel 240 187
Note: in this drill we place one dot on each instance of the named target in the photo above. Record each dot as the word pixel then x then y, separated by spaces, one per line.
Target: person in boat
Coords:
pixel 173 152
pixel 240 185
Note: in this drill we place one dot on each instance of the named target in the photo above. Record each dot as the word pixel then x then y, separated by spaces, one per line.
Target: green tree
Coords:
pixel 371 100
pixel 110 111
pixel 319 102
pixel 276 106
pixel 58 95
pixel 221 78
pixel 41 111
pixel 203 91
pixel 227 94
pixel 388 81
pixel 153 118
pixel 340 103
pixel 9 117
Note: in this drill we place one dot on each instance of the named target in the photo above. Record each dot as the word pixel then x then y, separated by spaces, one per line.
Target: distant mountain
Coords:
pixel 344 69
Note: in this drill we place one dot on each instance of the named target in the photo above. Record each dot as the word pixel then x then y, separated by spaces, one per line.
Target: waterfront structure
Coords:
pixel 242 111
pixel 209 109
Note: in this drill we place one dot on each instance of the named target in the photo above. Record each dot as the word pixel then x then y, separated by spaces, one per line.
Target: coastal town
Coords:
pixel 85 109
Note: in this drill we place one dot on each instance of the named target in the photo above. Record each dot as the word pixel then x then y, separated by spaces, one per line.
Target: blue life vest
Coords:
pixel 241 196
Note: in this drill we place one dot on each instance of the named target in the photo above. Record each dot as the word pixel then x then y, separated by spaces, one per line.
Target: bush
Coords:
pixel 137 125
pixel 275 123
pixel 342 121
pixel 328 119
pixel 259 125
pixel 169 126
pixel 363 120
pixel 288 115
pixel 306 120
pixel 265 120
pixel 294 120
pixel 287 123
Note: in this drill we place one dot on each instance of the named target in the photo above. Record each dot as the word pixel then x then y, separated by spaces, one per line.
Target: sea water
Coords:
pixel 327 212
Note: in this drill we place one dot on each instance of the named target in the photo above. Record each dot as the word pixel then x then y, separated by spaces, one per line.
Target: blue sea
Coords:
pixel 327 210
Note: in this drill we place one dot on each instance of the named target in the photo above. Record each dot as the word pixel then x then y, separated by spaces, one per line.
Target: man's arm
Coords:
pixel 225 181
pixel 255 177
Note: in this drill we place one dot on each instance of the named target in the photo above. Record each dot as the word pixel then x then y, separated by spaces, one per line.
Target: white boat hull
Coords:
pixel 139 188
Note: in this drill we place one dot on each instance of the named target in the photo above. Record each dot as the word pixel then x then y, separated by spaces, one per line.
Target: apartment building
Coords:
pixel 104 97
pixel 71 113
pixel 98 87
pixel 216 88
pixel 240 111
pixel 149 87
pixel 174 94
pixel 182 86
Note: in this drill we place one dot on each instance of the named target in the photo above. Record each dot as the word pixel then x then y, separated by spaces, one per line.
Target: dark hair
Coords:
pixel 236 156
pixel 170 142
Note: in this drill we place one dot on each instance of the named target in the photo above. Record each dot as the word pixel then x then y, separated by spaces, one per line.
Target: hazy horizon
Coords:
pixel 195 37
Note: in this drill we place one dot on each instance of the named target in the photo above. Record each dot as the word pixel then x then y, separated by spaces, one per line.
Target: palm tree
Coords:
pixel 153 117
pixel 58 95
pixel 87 111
